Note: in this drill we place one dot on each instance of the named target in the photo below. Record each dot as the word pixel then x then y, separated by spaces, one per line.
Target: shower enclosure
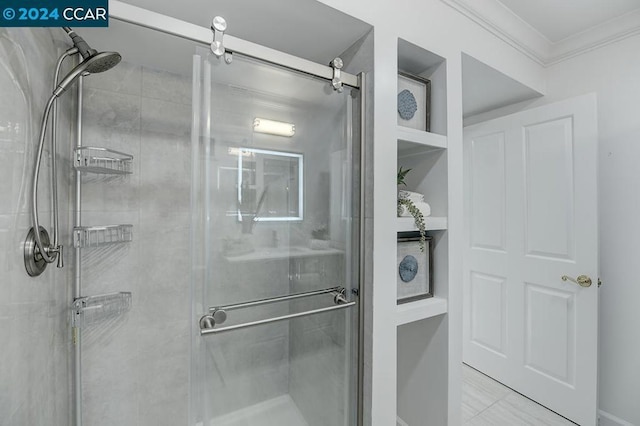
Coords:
pixel 275 233
pixel 242 260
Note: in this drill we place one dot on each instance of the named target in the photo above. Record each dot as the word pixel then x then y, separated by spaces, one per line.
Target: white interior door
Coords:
pixel 531 217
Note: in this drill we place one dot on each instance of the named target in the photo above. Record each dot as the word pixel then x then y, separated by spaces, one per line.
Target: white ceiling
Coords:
pixel 557 20
pixel 560 19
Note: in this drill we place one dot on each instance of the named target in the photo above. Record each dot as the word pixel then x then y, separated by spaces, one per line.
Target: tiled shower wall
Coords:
pixel 136 368
pixel 34 370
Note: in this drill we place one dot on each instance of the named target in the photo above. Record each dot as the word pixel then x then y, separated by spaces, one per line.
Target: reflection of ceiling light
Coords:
pixel 278 128
pixel 240 151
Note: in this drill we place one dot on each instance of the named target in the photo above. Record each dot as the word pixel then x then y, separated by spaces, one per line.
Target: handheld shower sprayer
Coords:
pixel 39 250
pixel 92 62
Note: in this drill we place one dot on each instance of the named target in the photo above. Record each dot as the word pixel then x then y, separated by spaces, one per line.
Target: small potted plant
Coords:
pixel 405 201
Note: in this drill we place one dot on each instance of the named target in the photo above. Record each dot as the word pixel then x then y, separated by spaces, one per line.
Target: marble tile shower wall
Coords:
pixel 135 370
pixel 34 331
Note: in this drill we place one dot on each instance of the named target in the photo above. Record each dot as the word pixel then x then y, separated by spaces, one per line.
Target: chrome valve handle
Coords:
pixel 60 251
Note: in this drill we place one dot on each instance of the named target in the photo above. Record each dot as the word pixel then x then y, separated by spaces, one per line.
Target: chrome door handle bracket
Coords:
pixel 582 280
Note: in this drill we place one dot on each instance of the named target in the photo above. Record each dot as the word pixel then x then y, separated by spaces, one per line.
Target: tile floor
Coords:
pixel 486 402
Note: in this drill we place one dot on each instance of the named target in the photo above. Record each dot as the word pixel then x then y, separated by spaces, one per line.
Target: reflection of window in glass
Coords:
pixel 268 185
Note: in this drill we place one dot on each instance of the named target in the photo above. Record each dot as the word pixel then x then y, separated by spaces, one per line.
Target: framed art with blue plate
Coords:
pixel 415 268
pixel 414 102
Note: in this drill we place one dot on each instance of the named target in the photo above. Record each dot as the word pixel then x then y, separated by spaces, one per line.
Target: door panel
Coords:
pixel 548 326
pixel 488 192
pixel 548 163
pixel 274 217
pixel 550 332
pixel 489 312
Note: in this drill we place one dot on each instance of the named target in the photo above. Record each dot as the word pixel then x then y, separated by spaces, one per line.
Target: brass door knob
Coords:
pixel 582 280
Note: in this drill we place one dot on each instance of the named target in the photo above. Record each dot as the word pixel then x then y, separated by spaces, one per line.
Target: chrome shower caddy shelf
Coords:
pixel 96 236
pixel 92 310
pixel 102 160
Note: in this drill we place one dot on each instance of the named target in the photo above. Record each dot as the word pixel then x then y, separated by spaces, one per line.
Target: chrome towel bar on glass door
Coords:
pixel 275 299
pixel 219 315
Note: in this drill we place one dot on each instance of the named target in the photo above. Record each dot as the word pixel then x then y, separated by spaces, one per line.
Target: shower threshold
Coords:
pixel 279 411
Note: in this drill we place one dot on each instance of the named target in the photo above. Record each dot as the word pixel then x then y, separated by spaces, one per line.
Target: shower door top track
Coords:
pixel 158 22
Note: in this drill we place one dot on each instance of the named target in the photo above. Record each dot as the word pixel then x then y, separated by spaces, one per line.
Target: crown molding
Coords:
pixel 596 37
pixel 500 21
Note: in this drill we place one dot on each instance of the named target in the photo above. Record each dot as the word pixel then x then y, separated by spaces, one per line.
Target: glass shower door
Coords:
pixel 275 200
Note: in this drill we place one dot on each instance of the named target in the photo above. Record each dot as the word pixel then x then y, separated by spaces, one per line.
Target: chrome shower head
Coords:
pixel 96 63
pixel 101 62
pixel 93 62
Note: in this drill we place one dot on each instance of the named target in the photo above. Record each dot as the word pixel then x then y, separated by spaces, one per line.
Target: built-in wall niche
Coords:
pixel 423 329
pixel 428 176
pixel 422 380
pixel 416 61
pixel 485 90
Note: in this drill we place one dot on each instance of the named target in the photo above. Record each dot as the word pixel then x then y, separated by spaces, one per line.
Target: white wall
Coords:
pixel 613 73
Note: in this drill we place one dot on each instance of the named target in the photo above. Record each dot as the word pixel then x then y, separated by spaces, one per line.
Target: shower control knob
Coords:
pixel 60 263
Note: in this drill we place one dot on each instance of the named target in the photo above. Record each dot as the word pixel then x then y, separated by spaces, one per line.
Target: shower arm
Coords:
pixel 51 105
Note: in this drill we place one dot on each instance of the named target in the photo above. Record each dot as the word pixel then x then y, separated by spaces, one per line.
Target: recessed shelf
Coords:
pixel 419 310
pixel 95 236
pixel 433 223
pixel 420 137
pixel 411 142
pixel 415 59
pixel 102 160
